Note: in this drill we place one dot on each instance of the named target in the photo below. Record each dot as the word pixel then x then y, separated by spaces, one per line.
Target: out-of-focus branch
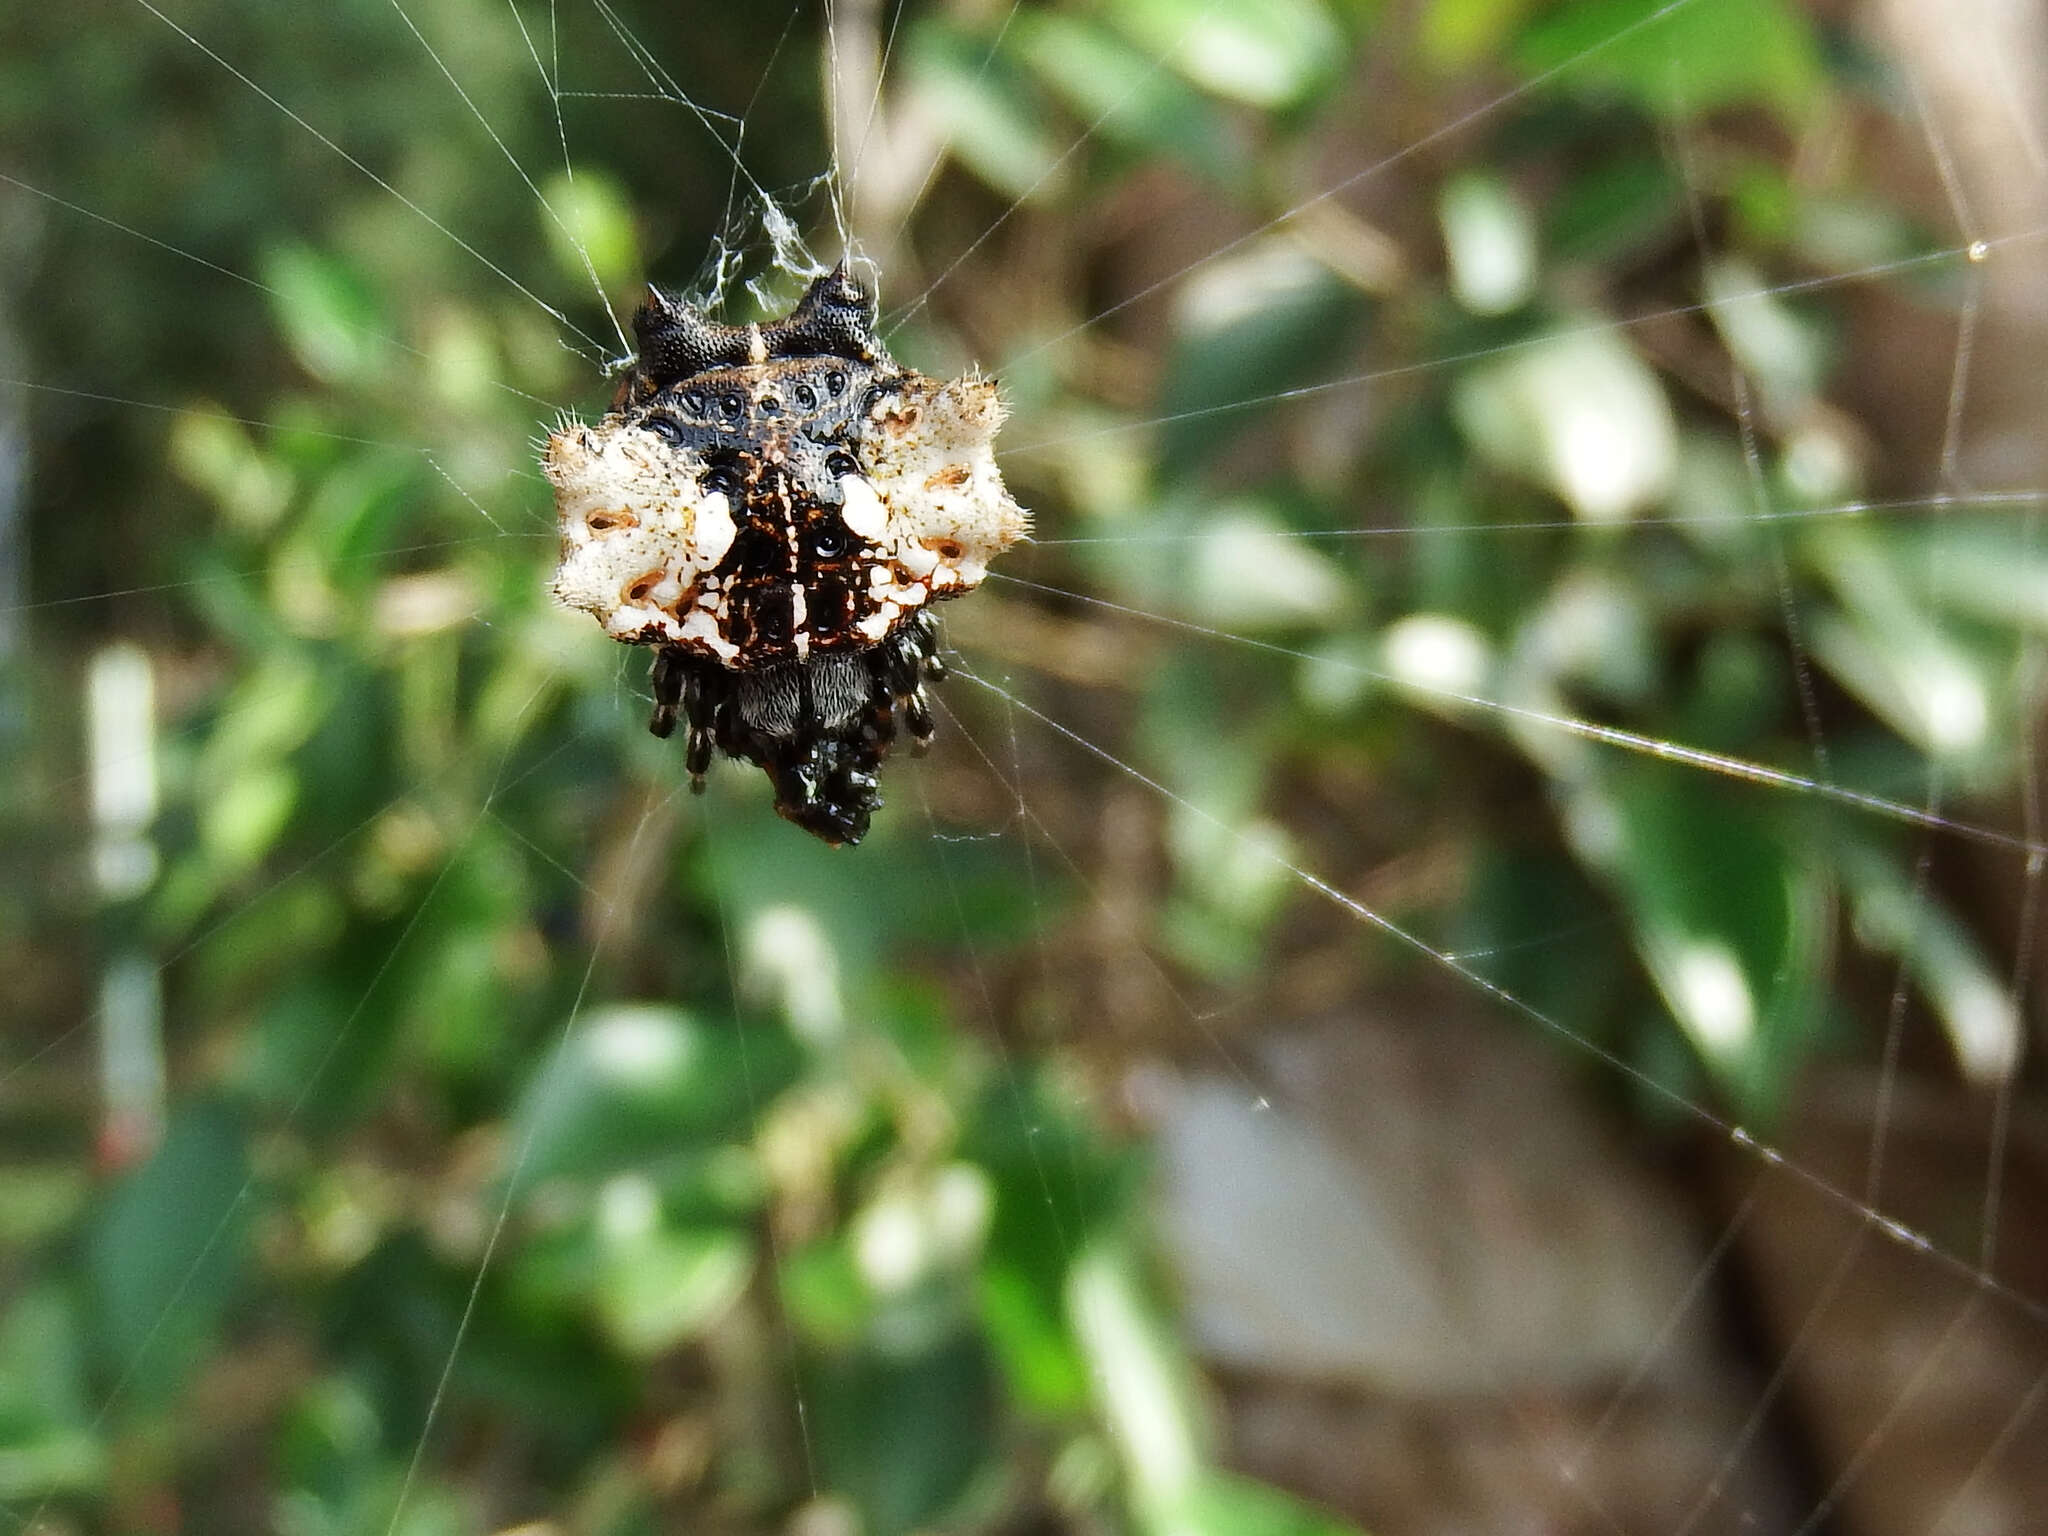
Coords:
pixel 1978 71
pixel 887 143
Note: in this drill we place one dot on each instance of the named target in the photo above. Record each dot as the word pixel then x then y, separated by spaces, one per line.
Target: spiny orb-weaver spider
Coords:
pixel 774 508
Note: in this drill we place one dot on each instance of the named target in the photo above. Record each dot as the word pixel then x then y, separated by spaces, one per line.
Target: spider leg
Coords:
pixel 917 714
pixel 700 707
pixel 697 759
pixel 926 632
pixel 666 678
pixel 896 668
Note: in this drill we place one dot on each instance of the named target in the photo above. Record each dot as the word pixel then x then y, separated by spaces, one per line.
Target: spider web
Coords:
pixel 1336 1212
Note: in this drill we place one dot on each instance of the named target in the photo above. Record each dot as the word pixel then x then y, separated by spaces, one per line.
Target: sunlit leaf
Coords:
pixel 1457 34
pixel 588 222
pixel 1142 1384
pixel 1896 913
pixel 329 313
pixel 1577 412
pixel 658 1289
pixel 1490 243
pixel 990 122
pixel 1270 53
pixel 1267 320
pixel 1245 573
pixel 219 457
pixel 1924 679
pixel 634 1081
pixel 1775 346
pixel 1118 91
pixel 1220 1505
pixel 1729 920
pixel 246 815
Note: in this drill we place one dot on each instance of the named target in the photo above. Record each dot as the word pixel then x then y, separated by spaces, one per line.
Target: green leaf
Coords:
pixel 639 1081
pixel 1268 53
pixel 1579 413
pixel 352 509
pixel 823 1292
pixel 891 896
pixel 1233 875
pixel 1533 925
pixel 1614 210
pixel 1690 57
pixel 329 313
pixel 1040 1362
pixel 1926 679
pixel 1057 1188
pixel 166 1250
pixel 990 121
pixel 1730 917
pixel 319 1046
pixel 1119 92
pixel 46 1446
pixel 904 1434
pixel 1489 243
pixel 664 1286
pixel 1991 566
pixel 589 227
pixel 1261 322
pixel 1457 34
pixel 39 1199
pixel 1221 1505
pixel 1977 1009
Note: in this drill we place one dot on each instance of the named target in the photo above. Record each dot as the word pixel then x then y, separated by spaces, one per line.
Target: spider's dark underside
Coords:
pixel 772 508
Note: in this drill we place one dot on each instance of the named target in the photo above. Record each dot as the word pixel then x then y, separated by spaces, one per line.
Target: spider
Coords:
pixel 773 508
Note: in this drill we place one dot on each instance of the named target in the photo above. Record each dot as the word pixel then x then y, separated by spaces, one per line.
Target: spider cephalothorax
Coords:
pixel 774 508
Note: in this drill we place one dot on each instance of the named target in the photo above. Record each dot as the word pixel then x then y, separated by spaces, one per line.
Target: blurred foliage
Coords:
pixel 761 1182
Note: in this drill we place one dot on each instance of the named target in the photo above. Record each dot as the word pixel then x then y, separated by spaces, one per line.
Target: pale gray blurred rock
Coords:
pixel 1428 1206
pixel 1441 1291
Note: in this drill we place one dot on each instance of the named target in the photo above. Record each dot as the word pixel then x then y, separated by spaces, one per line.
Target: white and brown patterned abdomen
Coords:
pixel 762 513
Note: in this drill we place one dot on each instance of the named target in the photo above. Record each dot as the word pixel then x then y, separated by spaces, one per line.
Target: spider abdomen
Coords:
pixel 775 508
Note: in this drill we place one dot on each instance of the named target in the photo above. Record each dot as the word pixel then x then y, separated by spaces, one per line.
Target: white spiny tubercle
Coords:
pixel 860 508
pixel 677 533
pixel 701 628
pixel 877 624
pixel 933 465
pixel 715 529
